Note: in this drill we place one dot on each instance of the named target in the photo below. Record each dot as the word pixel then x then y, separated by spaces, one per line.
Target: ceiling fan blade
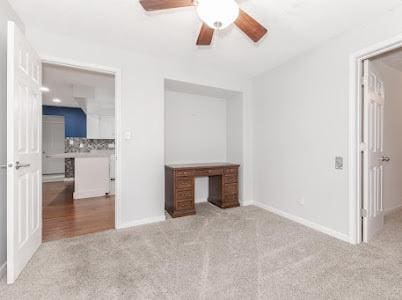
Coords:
pixel 250 26
pixel 150 5
pixel 205 37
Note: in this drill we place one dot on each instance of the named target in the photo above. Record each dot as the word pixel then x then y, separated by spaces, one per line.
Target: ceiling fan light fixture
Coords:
pixel 218 14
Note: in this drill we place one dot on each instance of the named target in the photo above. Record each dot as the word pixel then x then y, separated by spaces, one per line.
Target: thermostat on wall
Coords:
pixel 339 163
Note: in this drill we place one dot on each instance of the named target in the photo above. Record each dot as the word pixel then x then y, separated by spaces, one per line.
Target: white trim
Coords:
pixel 355 67
pixel 304 222
pixel 246 203
pixel 142 222
pixel 118 109
pixel 89 194
pixel 3 270
pixel 53 178
pixel 10 152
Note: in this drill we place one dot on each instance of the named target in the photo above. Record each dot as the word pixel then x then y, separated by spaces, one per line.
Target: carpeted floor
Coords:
pixel 241 253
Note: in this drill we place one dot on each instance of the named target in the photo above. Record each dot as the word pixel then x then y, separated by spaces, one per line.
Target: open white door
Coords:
pixel 373 158
pixel 24 181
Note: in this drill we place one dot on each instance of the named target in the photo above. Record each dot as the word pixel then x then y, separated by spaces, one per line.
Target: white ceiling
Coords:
pixel 62 80
pixel 294 27
pixel 392 59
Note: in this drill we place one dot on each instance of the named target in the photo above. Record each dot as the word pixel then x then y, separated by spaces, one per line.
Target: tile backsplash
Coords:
pixel 83 145
pixel 86 145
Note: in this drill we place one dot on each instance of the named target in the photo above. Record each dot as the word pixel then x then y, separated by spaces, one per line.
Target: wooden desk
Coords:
pixel 179 186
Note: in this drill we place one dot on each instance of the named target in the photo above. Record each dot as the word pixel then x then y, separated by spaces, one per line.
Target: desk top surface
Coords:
pixel 203 165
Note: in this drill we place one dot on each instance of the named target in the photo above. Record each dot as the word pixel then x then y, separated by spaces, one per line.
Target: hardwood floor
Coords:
pixel 64 217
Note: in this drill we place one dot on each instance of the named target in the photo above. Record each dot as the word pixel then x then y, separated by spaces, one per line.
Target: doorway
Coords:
pixel 203 125
pixel 376 109
pixel 78 146
pixel 24 148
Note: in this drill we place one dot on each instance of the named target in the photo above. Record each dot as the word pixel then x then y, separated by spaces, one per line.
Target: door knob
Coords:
pixel 18 165
pixel 386 158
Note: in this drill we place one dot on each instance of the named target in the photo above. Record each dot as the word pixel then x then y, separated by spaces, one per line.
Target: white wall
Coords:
pixel 392 135
pixel 195 132
pixel 143 114
pixel 234 136
pixel 301 123
pixel 195 128
pixel 6 14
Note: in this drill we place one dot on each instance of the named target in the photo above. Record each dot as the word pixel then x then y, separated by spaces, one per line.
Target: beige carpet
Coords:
pixel 241 253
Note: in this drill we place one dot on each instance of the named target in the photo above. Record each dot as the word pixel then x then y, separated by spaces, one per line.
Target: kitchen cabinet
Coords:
pixel 100 127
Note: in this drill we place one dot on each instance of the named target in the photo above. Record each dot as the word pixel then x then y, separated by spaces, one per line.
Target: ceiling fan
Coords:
pixel 215 14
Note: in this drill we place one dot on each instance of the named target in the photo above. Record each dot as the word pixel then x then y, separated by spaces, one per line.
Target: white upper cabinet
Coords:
pixel 93 131
pixel 107 127
pixel 100 127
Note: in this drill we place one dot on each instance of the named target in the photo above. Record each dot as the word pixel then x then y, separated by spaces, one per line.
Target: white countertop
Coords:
pixel 80 155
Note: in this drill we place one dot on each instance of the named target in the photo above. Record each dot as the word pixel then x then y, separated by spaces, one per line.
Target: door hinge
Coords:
pixel 364 213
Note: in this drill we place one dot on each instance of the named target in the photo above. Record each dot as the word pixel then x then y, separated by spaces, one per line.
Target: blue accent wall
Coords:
pixel 75 120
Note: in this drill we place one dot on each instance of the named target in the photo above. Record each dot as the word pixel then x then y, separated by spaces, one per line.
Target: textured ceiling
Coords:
pixel 294 27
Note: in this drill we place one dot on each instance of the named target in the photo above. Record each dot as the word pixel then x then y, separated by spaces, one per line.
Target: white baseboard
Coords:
pixel 3 270
pixel 305 222
pixel 50 178
pixel 89 194
pixel 392 210
pixel 246 203
pixel 142 222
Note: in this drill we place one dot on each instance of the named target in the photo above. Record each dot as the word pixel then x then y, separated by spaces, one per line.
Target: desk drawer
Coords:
pixel 184 183
pixel 230 189
pixel 185 205
pixel 230 179
pixel 184 173
pixel 208 172
pixel 185 195
pixel 230 171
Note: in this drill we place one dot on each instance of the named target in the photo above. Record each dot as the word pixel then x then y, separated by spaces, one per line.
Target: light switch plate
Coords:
pixel 339 163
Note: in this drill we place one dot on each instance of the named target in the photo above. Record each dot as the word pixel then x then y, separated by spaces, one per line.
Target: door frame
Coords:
pixel 118 130
pixel 355 131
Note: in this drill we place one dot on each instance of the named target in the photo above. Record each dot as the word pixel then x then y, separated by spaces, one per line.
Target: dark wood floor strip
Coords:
pixel 64 217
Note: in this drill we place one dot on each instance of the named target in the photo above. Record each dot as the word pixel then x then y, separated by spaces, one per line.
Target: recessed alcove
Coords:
pixel 203 124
